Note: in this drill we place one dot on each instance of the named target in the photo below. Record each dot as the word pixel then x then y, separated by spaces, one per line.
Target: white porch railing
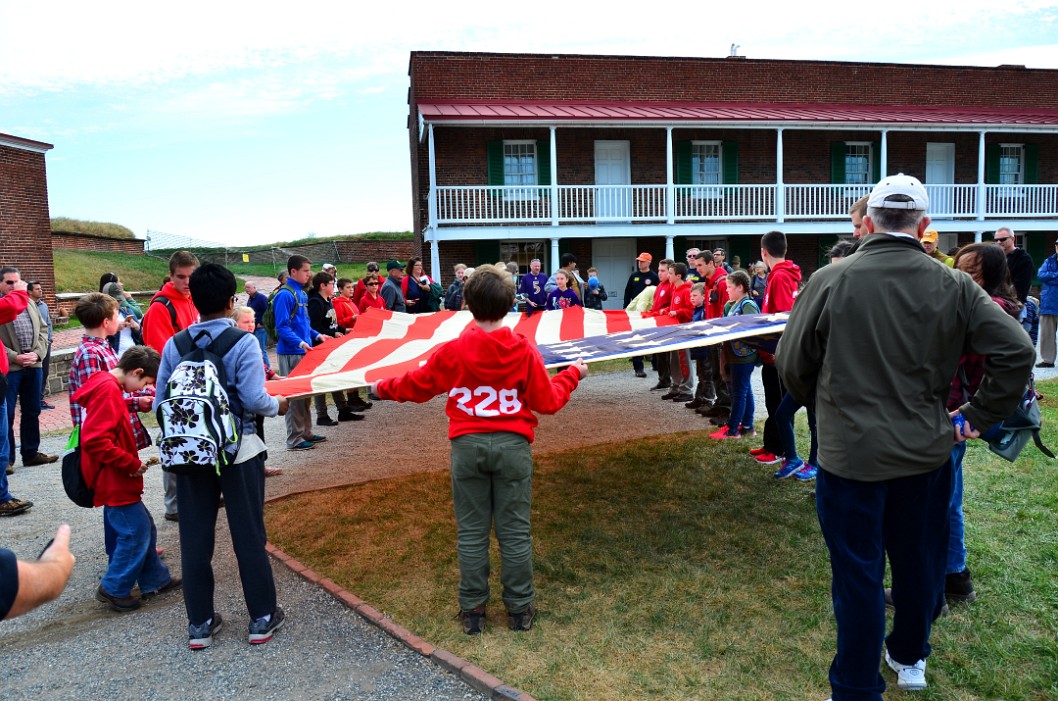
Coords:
pixel 486 204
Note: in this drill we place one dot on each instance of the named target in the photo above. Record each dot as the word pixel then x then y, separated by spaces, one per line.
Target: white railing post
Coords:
pixel 554 255
pixel 431 200
pixel 883 165
pixel 554 179
pixel 435 256
pixel 780 188
pixel 670 189
pixel 669 251
pixel 980 181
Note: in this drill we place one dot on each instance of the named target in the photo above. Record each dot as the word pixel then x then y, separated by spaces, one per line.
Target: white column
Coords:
pixel 670 189
pixel 980 181
pixel 435 263
pixel 669 252
pixel 554 255
pixel 978 236
pixel 780 187
pixel 884 163
pixel 554 179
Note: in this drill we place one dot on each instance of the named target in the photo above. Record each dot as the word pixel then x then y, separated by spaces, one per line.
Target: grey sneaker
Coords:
pixel 909 677
pixel 201 636
pixel 261 630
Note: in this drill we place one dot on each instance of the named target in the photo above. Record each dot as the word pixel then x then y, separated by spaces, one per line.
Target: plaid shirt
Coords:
pixel 92 356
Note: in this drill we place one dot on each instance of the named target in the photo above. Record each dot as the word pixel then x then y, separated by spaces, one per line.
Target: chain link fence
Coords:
pixel 162 245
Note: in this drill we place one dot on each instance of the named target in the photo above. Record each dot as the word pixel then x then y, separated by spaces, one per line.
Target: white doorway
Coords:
pixel 940 171
pixel 615 260
pixel 613 175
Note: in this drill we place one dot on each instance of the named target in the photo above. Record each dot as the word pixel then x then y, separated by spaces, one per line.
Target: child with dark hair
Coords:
pixel 241 484
pixel 324 321
pixel 741 359
pixel 562 297
pixel 111 466
pixel 495 379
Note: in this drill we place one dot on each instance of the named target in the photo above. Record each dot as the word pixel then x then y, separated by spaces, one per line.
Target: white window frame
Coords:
pixel 706 190
pixel 849 146
pixel 525 191
pixel 525 250
pixel 1012 189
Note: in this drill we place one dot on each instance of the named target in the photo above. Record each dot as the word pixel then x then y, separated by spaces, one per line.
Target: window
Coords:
pixel 519 168
pixel 522 252
pixel 1011 164
pixel 858 163
pixel 707 167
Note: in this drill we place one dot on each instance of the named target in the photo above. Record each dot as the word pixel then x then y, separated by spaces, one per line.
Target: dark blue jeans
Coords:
pixel 261 335
pixel 130 537
pixel 784 422
pixel 862 522
pixel 243 488
pixel 23 386
pixel 741 397
pixel 4 494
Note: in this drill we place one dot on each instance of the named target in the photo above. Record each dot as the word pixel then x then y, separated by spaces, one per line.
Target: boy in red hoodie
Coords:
pixel 784 279
pixel 495 380
pixel 111 465
pixel 680 308
pixel 662 300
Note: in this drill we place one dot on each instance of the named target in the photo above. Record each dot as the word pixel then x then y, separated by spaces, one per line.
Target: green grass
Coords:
pixel 353 271
pixel 677 568
pixel 79 271
pixel 92 228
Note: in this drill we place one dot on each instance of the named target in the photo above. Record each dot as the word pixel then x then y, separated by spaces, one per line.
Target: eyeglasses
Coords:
pixel 371 284
pixel 1001 239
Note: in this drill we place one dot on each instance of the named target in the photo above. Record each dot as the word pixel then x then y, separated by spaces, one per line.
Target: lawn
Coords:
pixel 677 568
pixel 79 271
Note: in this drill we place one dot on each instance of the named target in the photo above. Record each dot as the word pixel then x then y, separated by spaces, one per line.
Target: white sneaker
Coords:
pixel 908 677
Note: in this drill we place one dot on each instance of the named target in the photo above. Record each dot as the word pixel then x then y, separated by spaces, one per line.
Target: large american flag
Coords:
pixel 388 344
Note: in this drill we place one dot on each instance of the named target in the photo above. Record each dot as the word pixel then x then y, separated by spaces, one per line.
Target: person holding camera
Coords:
pixel 416 287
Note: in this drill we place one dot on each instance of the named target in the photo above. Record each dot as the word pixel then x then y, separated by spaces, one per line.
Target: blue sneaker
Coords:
pixel 262 630
pixel 201 636
pixel 806 473
pixel 789 466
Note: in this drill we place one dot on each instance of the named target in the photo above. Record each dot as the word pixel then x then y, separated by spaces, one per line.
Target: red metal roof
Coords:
pixel 453 112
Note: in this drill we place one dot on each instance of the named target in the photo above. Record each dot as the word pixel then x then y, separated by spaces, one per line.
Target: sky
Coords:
pixel 238 122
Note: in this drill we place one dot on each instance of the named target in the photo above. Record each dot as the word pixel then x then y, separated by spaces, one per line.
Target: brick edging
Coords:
pixel 474 676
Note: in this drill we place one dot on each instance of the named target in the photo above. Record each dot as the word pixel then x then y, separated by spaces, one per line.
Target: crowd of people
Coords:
pixel 877 496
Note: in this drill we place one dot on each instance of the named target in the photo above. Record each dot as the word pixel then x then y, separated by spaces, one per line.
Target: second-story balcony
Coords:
pixel 674 204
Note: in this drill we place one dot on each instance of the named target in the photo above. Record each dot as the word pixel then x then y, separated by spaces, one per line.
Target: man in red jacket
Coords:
pixel 495 380
pixel 14 300
pixel 171 310
pixel 681 373
pixel 715 279
pixel 784 280
pixel 662 300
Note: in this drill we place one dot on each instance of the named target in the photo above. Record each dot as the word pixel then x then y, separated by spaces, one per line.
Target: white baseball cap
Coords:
pixel 912 194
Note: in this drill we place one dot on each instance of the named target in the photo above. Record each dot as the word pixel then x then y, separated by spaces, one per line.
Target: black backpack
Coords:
pixel 73 480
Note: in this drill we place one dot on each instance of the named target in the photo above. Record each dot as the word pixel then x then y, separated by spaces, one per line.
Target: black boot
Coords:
pixel 959 587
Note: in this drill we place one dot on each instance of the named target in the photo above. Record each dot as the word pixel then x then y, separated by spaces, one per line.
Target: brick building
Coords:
pixel 515 156
pixel 25 224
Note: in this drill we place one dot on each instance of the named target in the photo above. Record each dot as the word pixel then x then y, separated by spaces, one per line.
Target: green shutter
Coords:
pixel 729 162
pixel 876 162
pixel 487 252
pixel 494 159
pixel 684 174
pixel 992 164
pixel 543 166
pixel 1032 165
pixel 837 162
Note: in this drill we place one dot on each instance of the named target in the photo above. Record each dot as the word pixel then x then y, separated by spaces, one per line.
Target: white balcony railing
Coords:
pixel 484 204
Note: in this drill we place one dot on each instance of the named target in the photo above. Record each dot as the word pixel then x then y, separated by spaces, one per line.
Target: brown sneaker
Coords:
pixel 13 507
pixel 123 604
pixel 39 459
pixel 523 620
pixel 473 620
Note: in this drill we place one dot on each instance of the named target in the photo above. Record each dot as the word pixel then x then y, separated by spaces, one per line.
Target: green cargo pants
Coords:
pixel 492 482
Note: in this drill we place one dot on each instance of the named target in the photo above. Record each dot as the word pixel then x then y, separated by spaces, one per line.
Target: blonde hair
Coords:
pixel 236 312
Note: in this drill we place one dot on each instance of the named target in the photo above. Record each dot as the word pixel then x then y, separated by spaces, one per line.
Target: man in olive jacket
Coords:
pixel 874 342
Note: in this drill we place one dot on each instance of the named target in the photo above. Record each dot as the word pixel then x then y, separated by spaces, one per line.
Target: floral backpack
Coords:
pixel 199 430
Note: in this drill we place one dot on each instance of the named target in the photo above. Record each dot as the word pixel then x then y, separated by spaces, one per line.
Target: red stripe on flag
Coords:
pixel 528 325
pixel 572 327
pixel 422 327
pixel 618 322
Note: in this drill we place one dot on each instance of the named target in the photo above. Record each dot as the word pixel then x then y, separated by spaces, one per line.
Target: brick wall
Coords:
pixel 105 244
pixel 25 222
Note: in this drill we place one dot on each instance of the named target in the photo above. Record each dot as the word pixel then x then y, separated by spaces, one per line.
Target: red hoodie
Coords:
pixel 783 281
pixel 681 303
pixel 11 305
pixel 495 381
pixel 716 294
pixel 108 447
pixel 662 299
pixel 157 323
